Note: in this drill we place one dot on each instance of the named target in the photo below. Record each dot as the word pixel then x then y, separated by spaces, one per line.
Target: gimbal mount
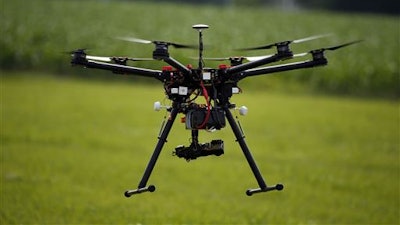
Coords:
pixel 183 84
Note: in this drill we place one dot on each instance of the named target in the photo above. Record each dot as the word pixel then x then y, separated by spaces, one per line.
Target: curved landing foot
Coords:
pixel 277 187
pixel 150 188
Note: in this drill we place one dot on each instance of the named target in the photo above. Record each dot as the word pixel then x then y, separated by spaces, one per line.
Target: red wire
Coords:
pixel 205 93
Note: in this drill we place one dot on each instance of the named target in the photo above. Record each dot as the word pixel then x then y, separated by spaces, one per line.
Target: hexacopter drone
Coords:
pixel 183 84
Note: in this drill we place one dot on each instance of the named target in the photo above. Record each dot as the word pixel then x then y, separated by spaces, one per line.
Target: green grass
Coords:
pixel 70 148
pixel 34 33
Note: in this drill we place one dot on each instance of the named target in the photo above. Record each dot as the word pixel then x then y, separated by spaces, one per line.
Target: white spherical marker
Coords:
pixel 157 106
pixel 243 110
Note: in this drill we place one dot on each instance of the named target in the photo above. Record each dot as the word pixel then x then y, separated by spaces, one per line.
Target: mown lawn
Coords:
pixel 70 148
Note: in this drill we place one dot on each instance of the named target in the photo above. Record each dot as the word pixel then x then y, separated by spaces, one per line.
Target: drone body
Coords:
pixel 184 84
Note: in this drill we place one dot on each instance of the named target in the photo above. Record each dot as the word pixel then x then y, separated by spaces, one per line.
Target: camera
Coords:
pixel 196 117
pixel 195 150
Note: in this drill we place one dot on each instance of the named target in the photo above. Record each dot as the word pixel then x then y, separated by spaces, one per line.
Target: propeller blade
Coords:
pixel 285 42
pixel 324 49
pixel 137 40
pixel 343 45
pixel 257 48
pixel 143 41
pixel 181 45
pixel 254 58
pixel 310 38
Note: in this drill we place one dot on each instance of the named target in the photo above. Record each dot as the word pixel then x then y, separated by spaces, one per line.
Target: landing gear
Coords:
pixel 196 150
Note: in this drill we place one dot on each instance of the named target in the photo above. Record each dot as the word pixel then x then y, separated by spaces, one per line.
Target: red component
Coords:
pixel 189 66
pixel 222 66
pixel 183 120
pixel 167 68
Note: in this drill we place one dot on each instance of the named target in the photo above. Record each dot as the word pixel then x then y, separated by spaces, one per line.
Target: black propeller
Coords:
pixel 342 45
pixel 333 48
pixel 143 41
pixel 284 43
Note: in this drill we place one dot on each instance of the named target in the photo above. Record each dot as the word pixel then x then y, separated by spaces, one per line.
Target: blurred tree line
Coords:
pixel 368 6
pixel 374 6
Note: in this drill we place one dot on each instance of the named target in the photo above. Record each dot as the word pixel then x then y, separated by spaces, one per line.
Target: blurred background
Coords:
pixel 369 6
pixel 74 139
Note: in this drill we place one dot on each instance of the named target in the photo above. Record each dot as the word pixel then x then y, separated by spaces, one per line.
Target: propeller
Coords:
pixel 342 45
pixel 333 48
pixel 143 41
pixel 285 42
pixel 255 58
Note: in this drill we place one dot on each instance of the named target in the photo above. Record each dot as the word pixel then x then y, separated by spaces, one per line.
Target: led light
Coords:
pixel 167 68
pixel 222 66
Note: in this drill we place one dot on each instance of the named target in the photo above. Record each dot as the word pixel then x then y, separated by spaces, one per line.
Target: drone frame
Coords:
pixel 220 85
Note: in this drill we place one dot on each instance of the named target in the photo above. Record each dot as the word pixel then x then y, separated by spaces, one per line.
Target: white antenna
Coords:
pixel 200 28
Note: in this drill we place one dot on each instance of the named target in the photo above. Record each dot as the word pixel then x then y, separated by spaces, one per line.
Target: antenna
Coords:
pixel 200 28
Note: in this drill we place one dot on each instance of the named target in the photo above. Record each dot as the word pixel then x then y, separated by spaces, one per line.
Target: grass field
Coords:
pixel 70 148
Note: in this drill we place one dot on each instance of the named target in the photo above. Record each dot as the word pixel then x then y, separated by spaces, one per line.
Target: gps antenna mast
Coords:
pixel 200 28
